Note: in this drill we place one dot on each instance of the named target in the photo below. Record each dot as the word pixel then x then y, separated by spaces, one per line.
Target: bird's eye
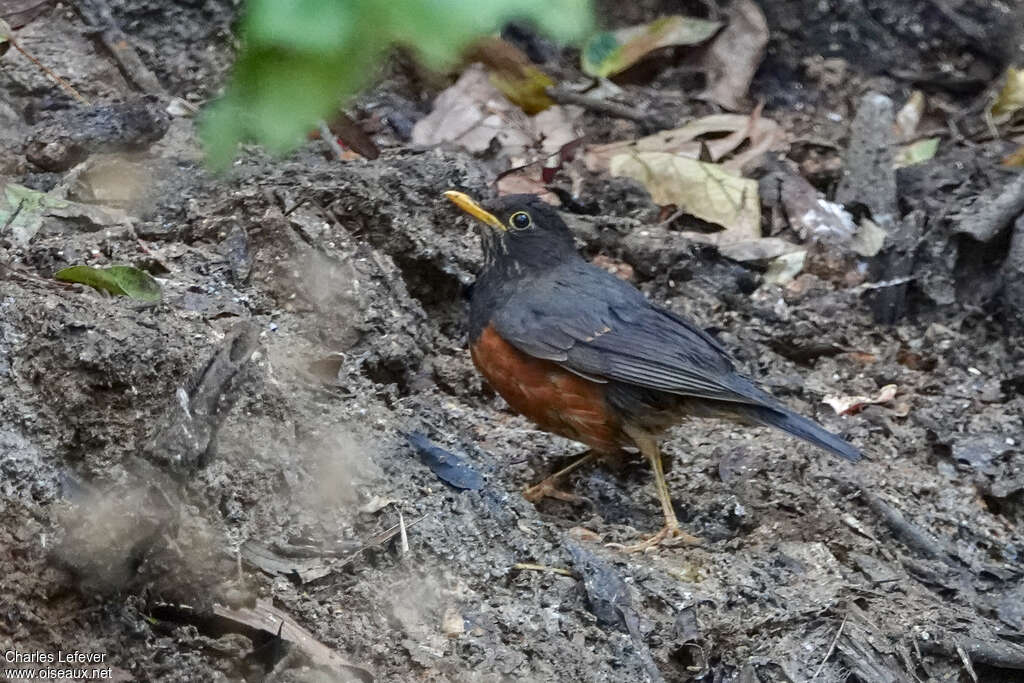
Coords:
pixel 520 220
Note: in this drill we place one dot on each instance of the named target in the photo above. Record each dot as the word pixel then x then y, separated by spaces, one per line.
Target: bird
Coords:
pixel 585 355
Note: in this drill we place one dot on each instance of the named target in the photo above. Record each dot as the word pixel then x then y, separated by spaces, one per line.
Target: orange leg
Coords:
pixel 670 534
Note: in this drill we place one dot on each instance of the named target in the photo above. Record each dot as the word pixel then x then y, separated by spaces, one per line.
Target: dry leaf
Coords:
pixel 1011 98
pixel 784 269
pixel 473 113
pixel 612 52
pixel 762 133
pixel 707 191
pixel 847 405
pixel 761 249
pixel 869 240
pixel 734 56
pixel 909 116
pixel 811 215
pixel 453 624
pixel 1015 159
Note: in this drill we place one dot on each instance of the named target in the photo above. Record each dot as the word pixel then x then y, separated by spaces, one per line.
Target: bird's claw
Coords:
pixel 547 489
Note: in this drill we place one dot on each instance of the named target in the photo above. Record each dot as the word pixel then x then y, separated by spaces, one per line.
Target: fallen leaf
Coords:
pixel 534 177
pixel 909 115
pixel 110 180
pixel 706 191
pixel 811 215
pixel 915 153
pixel 22 211
pixel 473 113
pixel 119 280
pixel 760 249
pixel 272 563
pixel 453 624
pixel 1015 159
pixel 353 136
pixel 869 240
pixel 847 405
pixel 513 73
pixel 526 180
pixel 784 269
pixel 611 52
pixel 1011 98
pixel 762 133
pixel 733 57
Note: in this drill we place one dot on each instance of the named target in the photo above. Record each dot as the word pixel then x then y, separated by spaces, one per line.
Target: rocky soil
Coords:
pixel 177 478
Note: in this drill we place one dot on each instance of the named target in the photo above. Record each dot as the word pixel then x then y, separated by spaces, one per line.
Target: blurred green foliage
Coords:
pixel 300 59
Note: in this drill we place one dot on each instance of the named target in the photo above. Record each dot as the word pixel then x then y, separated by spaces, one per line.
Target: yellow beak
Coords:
pixel 466 203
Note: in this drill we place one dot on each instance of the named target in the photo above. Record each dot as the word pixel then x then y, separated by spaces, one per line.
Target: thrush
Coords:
pixel 585 355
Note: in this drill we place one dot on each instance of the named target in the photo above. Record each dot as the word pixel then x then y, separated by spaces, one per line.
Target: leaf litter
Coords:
pixel 762 517
pixel 612 52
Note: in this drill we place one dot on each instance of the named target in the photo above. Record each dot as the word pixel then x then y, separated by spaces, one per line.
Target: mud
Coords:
pixel 350 279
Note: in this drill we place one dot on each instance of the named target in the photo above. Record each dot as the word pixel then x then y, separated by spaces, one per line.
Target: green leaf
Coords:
pixel 612 52
pixel 916 152
pixel 119 280
pixel 301 59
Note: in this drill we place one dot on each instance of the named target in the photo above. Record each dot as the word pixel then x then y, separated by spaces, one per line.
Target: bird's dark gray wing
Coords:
pixel 595 325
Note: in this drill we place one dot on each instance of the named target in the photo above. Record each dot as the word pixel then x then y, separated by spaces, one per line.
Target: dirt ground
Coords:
pixel 173 474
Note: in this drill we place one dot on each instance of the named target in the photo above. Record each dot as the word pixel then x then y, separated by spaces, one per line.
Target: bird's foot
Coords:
pixel 670 536
pixel 547 489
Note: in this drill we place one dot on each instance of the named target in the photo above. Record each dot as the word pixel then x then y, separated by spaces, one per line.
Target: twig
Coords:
pixel 97 14
pixel 1002 655
pixel 402 534
pixel 620 111
pixel 52 76
pixel 966 659
pixel 543 568
pixel 831 649
pixel 382 537
pixel 915 537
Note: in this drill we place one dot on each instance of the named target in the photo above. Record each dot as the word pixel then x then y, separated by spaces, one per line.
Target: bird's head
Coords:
pixel 520 230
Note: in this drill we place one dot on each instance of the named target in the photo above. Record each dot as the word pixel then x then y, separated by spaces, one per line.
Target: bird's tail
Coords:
pixel 802 428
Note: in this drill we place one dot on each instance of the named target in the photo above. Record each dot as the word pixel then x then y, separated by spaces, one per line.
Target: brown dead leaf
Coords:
pixel 735 54
pixel 847 405
pixel 473 113
pixel 811 215
pixel 353 135
pixel 1015 158
pixel 526 180
pixel 763 134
